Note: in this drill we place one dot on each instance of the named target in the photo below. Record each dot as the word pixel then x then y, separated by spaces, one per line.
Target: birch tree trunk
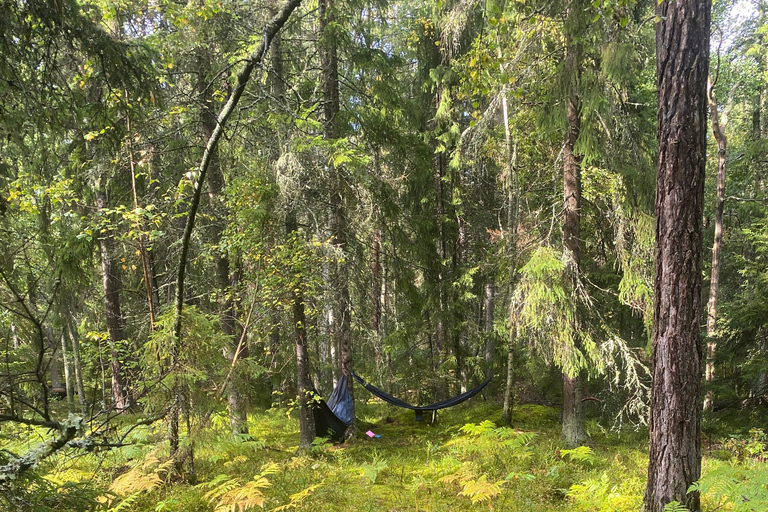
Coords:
pixel 78 369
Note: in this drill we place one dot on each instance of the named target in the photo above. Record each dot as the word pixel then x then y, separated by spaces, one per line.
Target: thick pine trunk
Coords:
pixel 574 433
pixel 112 284
pixel 714 282
pixel 682 66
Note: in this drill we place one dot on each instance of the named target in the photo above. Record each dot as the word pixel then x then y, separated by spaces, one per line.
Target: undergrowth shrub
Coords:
pixel 144 476
pixel 231 494
pixel 740 482
pixel 740 488
pixel 603 494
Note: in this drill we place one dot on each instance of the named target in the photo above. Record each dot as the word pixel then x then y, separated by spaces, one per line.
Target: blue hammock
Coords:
pixel 333 417
pixel 450 402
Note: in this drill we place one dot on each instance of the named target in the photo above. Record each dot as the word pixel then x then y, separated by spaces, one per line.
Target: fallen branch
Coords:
pixel 12 470
pixel 29 421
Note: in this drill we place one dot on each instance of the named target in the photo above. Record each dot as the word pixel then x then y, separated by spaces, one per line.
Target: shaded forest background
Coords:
pixel 424 192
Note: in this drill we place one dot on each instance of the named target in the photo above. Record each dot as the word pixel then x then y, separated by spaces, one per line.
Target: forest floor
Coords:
pixel 464 461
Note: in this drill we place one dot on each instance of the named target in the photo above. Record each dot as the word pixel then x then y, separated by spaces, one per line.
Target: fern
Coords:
pixel 481 490
pixel 297 499
pixel 477 489
pixel 220 487
pixel 145 477
pixel 462 474
pixel 582 454
pixel 231 495
pixel 372 470
pixel 492 438
pixel 597 494
pixel 674 506
pixel 744 489
pixel 320 444
pixel 484 428
pixel 126 503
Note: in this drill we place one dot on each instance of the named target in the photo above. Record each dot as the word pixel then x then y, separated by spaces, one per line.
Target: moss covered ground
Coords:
pixel 465 460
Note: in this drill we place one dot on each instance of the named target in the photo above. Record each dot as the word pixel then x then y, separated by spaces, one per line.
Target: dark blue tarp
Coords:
pixel 341 403
pixel 326 423
pixel 333 417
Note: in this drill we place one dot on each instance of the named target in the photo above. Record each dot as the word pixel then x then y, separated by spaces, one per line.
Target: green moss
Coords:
pixel 465 460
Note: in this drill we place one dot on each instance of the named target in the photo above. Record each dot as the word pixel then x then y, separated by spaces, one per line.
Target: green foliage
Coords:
pixel 601 494
pixel 582 454
pixel 320 444
pixel 228 494
pixel 741 486
pixel 674 506
pixel 547 311
pixel 742 489
pixel 371 470
pixel 297 499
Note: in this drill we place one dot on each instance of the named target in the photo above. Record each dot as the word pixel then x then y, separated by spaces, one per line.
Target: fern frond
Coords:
pixel 480 490
pixel 230 495
pixel 126 503
pixel 222 488
pixel 270 468
pixel 580 454
pixel 484 428
pixel 135 481
pixel 297 499
pixel 675 507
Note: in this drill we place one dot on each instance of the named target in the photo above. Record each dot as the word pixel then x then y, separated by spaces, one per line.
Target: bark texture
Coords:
pixel 112 283
pixel 573 432
pixel 331 107
pixel 303 379
pixel 682 66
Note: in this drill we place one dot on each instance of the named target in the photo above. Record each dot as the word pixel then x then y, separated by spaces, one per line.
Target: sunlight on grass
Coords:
pixel 464 461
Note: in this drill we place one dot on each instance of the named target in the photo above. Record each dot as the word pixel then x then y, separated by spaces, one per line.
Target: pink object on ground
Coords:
pixel 370 434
